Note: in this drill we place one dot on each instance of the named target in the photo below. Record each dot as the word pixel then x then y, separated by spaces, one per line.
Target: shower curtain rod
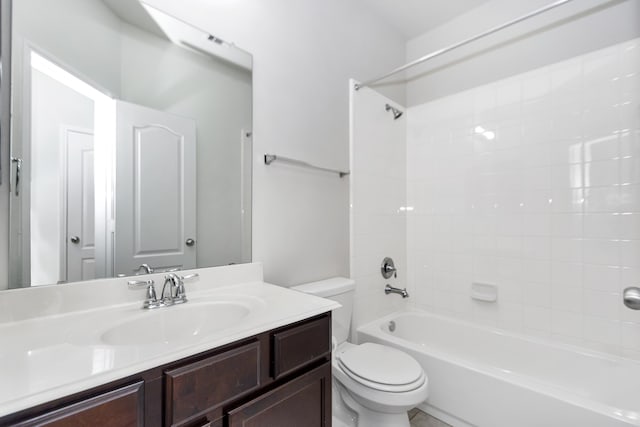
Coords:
pixel 439 52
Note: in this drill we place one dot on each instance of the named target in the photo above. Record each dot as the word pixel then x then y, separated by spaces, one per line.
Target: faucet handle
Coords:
pixel 190 277
pixel 144 269
pixel 136 284
pixel 180 291
pixel 152 298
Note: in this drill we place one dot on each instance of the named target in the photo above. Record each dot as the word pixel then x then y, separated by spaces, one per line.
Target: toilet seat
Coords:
pixel 381 368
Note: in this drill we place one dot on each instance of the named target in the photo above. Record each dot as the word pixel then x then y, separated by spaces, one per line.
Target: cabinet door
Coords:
pixel 123 407
pixel 304 401
pixel 200 389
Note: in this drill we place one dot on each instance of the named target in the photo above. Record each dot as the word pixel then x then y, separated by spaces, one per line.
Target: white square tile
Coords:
pixel 509 246
pixel 566 275
pixel 601 251
pixel 536 295
pixel 605 331
pixel 534 247
pixel 567 176
pixel 606 172
pixel 629 144
pixel 536 201
pixel 601 304
pixel 629 276
pixel 566 250
pixel 538 178
pixel 538 318
pixel 567 200
pixel 606 199
pixel 630 253
pixel 566 152
pixel 604 278
pixel 631 336
pixel 602 226
pixel 567 324
pixel 603 120
pixel 628 199
pixel 536 225
pixel 537 270
pixel 567 225
pixel 630 170
pixel 603 148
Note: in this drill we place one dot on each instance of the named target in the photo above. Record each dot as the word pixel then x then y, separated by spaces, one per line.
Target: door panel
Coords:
pixel 155 190
pixel 80 206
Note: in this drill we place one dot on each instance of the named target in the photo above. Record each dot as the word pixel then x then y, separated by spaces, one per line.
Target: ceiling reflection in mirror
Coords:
pixel 131 143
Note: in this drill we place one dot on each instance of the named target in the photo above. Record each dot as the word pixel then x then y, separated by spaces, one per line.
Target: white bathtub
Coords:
pixel 490 378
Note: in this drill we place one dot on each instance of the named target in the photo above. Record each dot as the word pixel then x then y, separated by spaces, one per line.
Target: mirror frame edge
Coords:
pixel 5 88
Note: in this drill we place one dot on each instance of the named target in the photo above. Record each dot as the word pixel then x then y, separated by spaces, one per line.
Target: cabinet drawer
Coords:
pixel 201 387
pixel 123 407
pixel 300 345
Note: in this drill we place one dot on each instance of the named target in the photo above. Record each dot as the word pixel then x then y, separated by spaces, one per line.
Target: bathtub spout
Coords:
pixel 391 290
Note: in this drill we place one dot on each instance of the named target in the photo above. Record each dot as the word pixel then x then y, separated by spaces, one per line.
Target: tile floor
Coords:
pixel 420 419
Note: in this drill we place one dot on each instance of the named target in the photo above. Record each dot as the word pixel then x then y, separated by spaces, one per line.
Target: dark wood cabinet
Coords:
pixel 278 378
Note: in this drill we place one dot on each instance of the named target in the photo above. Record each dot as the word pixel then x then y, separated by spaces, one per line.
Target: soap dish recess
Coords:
pixel 484 292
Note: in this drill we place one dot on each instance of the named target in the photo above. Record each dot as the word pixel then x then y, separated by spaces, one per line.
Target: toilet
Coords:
pixel 377 383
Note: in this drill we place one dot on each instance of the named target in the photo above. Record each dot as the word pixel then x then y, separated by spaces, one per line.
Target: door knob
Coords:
pixel 190 242
pixel 75 240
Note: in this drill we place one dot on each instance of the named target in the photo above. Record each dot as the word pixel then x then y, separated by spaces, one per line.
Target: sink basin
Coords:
pixel 178 323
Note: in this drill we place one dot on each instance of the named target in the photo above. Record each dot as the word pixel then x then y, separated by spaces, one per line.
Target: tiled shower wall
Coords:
pixel 533 184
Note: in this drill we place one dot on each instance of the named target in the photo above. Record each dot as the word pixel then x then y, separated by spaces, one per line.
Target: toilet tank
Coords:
pixel 339 289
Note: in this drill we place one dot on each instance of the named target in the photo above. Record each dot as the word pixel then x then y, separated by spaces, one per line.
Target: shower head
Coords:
pixel 396 113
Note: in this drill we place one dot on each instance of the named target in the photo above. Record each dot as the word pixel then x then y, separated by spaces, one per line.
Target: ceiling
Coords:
pixel 414 17
pixel 133 13
pixel 410 18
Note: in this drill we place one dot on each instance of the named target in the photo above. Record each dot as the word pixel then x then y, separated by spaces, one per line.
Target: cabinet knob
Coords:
pixel 190 242
pixel 75 240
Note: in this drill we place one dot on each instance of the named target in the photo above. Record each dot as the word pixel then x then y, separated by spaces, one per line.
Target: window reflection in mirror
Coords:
pixel 132 130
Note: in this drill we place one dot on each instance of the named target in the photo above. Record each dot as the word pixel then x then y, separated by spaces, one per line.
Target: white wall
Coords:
pixel 304 53
pixel 567 31
pixel 378 201
pixel 547 208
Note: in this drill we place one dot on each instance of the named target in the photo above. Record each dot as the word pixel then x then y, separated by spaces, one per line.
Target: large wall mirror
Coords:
pixel 131 143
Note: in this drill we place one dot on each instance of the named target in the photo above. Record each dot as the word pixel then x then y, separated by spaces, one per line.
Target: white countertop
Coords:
pixel 48 357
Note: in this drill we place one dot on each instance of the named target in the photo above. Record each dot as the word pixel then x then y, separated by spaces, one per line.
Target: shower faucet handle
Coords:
pixel 388 268
pixel 631 298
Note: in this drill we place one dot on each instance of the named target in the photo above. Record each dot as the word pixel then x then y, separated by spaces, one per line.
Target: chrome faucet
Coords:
pixel 391 290
pixel 174 294
pixel 144 269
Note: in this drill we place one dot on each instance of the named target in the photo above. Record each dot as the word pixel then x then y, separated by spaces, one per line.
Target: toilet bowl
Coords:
pixel 377 383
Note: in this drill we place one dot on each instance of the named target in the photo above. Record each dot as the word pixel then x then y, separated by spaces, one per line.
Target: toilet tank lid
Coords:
pixel 328 287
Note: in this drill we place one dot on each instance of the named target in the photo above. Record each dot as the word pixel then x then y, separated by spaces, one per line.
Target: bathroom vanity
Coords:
pixel 272 366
